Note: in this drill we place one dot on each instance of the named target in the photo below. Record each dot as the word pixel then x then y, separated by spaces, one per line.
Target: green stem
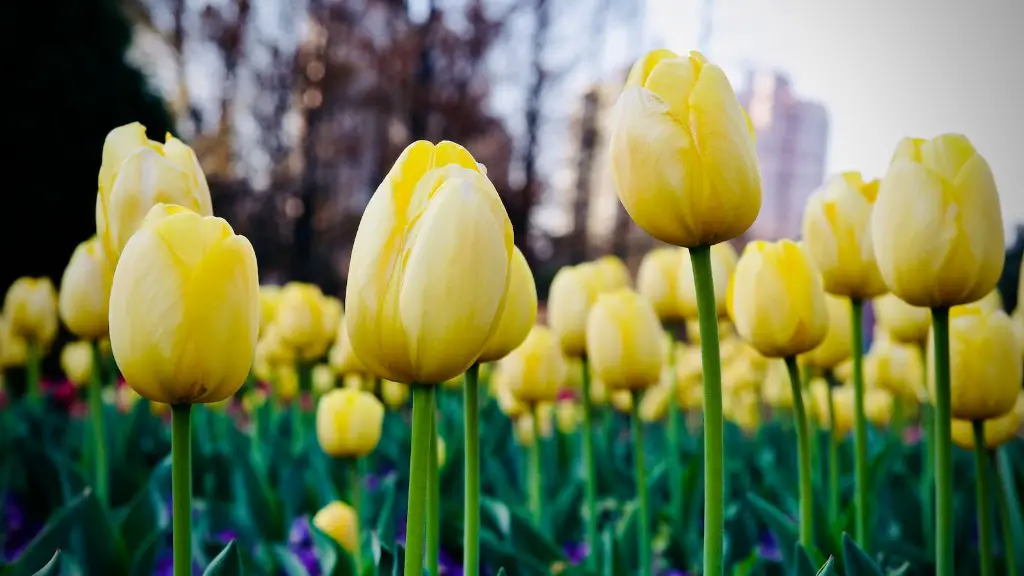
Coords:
pixel 1002 506
pixel 803 451
pixel 711 360
pixel 433 506
pixel 983 501
pixel 34 357
pixel 181 487
pixel 536 484
pixel 675 464
pixel 419 463
pixel 643 540
pixel 943 447
pixel 833 462
pixel 928 461
pixel 471 425
pixel 860 428
pixel 589 469
pixel 356 498
pixel 99 455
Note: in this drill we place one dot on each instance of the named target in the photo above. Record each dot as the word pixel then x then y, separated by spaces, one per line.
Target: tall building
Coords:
pixel 792 144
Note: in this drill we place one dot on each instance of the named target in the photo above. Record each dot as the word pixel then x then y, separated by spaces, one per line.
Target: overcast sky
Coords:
pixel 884 69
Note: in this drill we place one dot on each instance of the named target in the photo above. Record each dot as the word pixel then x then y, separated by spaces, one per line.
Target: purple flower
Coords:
pixel 768 547
pixel 298 534
pixel 18 529
pixel 448 566
pixel 576 551
pixel 225 536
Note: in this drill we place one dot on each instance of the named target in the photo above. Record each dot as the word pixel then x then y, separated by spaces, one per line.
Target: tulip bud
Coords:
pixel 836 232
pixel 341 522
pixel 896 367
pixel 878 406
pixel 76 361
pixel 518 314
pixel 341 356
pixel 545 415
pixel 355 382
pixel 285 383
pixel 725 329
pixel 138 173
pixel 682 152
pixel 323 379
pixel 984 360
pixel 523 430
pixel 723 265
pixel 184 308
pixel 85 291
pixel 535 371
pixel 302 320
pixel 776 300
pixel 349 423
pixel 13 348
pixel 842 397
pixel 902 321
pixel 937 228
pixel 990 302
pixel 624 340
pixel 654 404
pixel 598 391
pixel 428 276
pixel 776 389
pixel 567 416
pixel 159 408
pixel 622 400
pixel 507 402
pixel 838 343
pixel 253 400
pixel 743 410
pixel 657 280
pixel 455 382
pixel 611 273
pixel 394 394
pixel 998 431
pixel 30 305
pixel 572 293
pixel 270 297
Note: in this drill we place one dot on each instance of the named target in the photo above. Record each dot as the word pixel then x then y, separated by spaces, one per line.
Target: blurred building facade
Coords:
pixel 792 147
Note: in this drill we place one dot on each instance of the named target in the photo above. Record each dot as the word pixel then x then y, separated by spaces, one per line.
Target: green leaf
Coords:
pixel 856 561
pixel 144 558
pixel 829 568
pixel 285 560
pixel 52 568
pixel 611 555
pixel 386 515
pixel 784 529
pixel 334 560
pixel 146 512
pixel 227 563
pixel 803 566
pixel 501 571
pixel 1013 503
pixel 256 501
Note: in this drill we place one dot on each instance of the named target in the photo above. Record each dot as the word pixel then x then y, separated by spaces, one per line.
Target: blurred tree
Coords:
pixel 69 85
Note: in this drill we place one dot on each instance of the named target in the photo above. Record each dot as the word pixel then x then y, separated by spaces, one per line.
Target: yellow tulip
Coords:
pixel 356 382
pixel 341 522
pixel 776 301
pixel 159 408
pixel 270 297
pixel 654 404
pixel 76 361
pixel 838 343
pixel 1018 328
pixel 682 152
pixel 184 308
pixel 776 389
pixel 455 382
pixel 349 423
pixel 272 349
pixel 567 416
pixel 138 173
pixel 842 396
pixel 744 410
pixel 323 379
pixel 598 391
pixel 545 415
pixel 507 402
pixel 429 270
pixel 690 397
pixel 622 400
pixel 624 340
pixel 85 291
pixel 221 405
pixel 303 320
pixel 937 227
pixel 573 374
pixel 519 313
pixel 523 430
pixel 573 291
pixel 896 367
pixel 13 347
pixel 333 314
pixel 126 398
pixel 394 394
pixel 984 363
pixel 253 400
pixel 341 356
pixel 725 330
pixel 741 375
pixel 998 431
pixel 837 234
pixel 536 369
pixel 657 280
pixel 902 321
pixel 30 306
pixel 285 383
pixel 878 406
pixel 611 272
pixel 990 302
pixel 723 265
pixel 689 366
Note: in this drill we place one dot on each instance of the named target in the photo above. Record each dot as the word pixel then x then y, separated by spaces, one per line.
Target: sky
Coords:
pixel 885 69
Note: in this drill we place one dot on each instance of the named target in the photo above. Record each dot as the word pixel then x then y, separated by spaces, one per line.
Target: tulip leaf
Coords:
pixel 501 571
pixel 145 553
pixel 784 529
pixel 803 566
pixel 227 563
pixel 856 561
pixel 829 569
pixel 146 512
pixel 1012 500
pixel 333 559
pixel 612 563
pixel 51 568
pixel 287 562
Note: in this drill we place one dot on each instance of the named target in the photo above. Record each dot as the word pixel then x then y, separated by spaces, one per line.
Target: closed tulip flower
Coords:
pixel 624 340
pixel 270 297
pixel 998 431
pixel 30 305
pixel 657 280
pixel 776 300
pixel 536 369
pixel 843 399
pixel 878 406
pixel 896 367
pixel 723 265
pixel 137 173
pixel 507 402
pixel 285 383
pixel 838 343
pixel 323 379
pixel 342 357
pixel 303 319
pixel 622 400
pixel 573 291
pixel 349 423
pixel 523 430
pixel 430 264
pixel 84 297
pixel 253 400
pixel 184 308
pixel 76 361
pixel 837 232
pixel 357 382
pixel 598 391
pixel 990 302
pixel 567 416
pixel 518 314
pixel 902 321
pixel 744 410
pixel 394 394
pixel 333 312
pixel 725 329
pixel 654 404
pixel 984 360
pixel 612 273
pixel 775 388
pixel 937 227
pixel 13 348
pixel 682 152
pixel 341 522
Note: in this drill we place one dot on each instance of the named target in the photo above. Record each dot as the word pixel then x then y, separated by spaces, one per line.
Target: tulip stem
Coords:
pixel 983 501
pixel 433 504
pixel 803 450
pixel 711 361
pixel 419 460
pixel 833 460
pixel 35 392
pixel 99 456
pixel 927 458
pixel 181 487
pixel 590 470
pixel 943 446
pixel 675 465
pixel 471 424
pixel 1002 503
pixel 356 497
pixel 536 484
pixel 860 427
pixel 643 540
